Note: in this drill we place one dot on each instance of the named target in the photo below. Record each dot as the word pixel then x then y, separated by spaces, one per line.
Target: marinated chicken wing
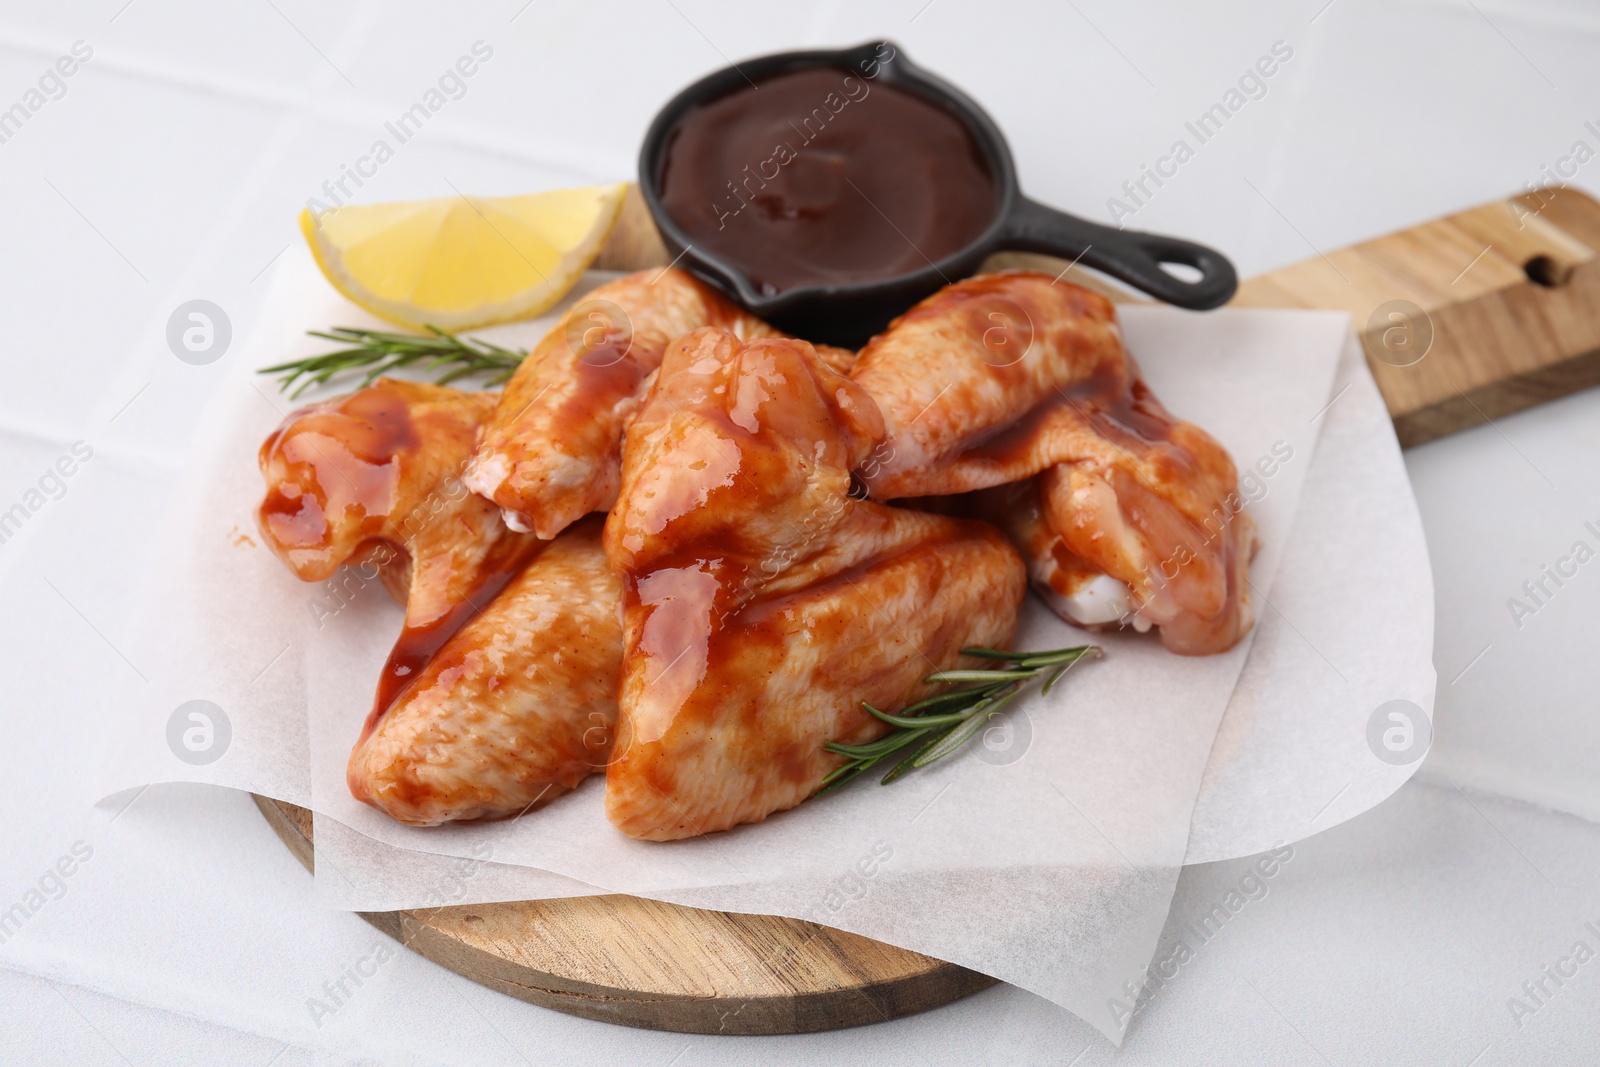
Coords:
pixel 1074 588
pixel 968 367
pixel 761 602
pixel 376 474
pixel 514 710
pixel 552 451
pixel 1010 377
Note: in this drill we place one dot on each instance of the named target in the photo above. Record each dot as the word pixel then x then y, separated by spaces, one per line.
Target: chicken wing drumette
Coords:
pixel 552 452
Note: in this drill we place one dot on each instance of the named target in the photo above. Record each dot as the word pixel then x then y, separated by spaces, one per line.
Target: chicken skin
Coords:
pixel 375 475
pixel 967 367
pixel 514 710
pixel 762 603
pixel 552 451
pixel 1015 377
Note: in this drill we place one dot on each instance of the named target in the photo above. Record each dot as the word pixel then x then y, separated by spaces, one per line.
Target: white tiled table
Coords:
pixel 171 168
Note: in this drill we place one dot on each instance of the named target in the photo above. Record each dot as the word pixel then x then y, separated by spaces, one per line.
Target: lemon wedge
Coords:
pixel 460 262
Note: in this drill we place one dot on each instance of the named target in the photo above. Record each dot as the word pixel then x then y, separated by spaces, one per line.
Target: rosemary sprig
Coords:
pixel 938 726
pixel 378 352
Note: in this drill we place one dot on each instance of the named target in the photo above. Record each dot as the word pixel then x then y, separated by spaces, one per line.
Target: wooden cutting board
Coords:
pixel 643 963
pixel 1469 317
pixel 1464 319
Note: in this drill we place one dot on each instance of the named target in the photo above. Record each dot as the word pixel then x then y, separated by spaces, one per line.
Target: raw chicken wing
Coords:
pixel 514 710
pixel 376 475
pixel 1134 516
pixel 761 602
pixel 552 453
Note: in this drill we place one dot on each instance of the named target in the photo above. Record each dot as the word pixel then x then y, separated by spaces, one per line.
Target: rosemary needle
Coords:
pixel 942 724
pixel 377 352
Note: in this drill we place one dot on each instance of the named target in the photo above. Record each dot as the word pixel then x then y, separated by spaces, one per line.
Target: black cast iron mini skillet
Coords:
pixel 848 314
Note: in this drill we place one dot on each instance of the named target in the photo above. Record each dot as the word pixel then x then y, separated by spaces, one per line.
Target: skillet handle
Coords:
pixel 1130 256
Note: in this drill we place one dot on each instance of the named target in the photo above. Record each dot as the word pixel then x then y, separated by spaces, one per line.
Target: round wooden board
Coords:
pixel 644 963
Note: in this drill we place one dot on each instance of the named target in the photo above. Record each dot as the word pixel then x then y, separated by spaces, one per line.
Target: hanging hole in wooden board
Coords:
pixel 1547 271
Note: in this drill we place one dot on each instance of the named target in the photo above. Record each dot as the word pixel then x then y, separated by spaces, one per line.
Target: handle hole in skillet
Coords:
pixel 1183 272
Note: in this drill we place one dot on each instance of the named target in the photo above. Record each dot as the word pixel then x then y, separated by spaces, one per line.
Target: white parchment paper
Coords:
pixel 1347 629
pixel 1046 857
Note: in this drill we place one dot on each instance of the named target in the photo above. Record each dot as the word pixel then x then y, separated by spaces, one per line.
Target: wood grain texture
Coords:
pixel 1509 290
pixel 644 963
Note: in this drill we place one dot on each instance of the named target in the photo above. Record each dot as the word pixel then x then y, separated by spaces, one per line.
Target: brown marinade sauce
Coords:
pixel 823 177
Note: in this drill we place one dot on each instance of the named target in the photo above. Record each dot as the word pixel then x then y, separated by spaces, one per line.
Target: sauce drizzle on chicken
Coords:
pixel 762 603
pixel 1012 377
pixel 375 475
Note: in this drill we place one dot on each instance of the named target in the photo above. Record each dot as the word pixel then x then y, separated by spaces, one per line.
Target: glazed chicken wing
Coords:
pixel 968 366
pixel 514 710
pixel 1133 515
pixel 552 451
pixel 376 475
pixel 761 602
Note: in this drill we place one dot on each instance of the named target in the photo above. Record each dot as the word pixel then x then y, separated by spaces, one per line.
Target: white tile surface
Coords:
pixel 197 130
